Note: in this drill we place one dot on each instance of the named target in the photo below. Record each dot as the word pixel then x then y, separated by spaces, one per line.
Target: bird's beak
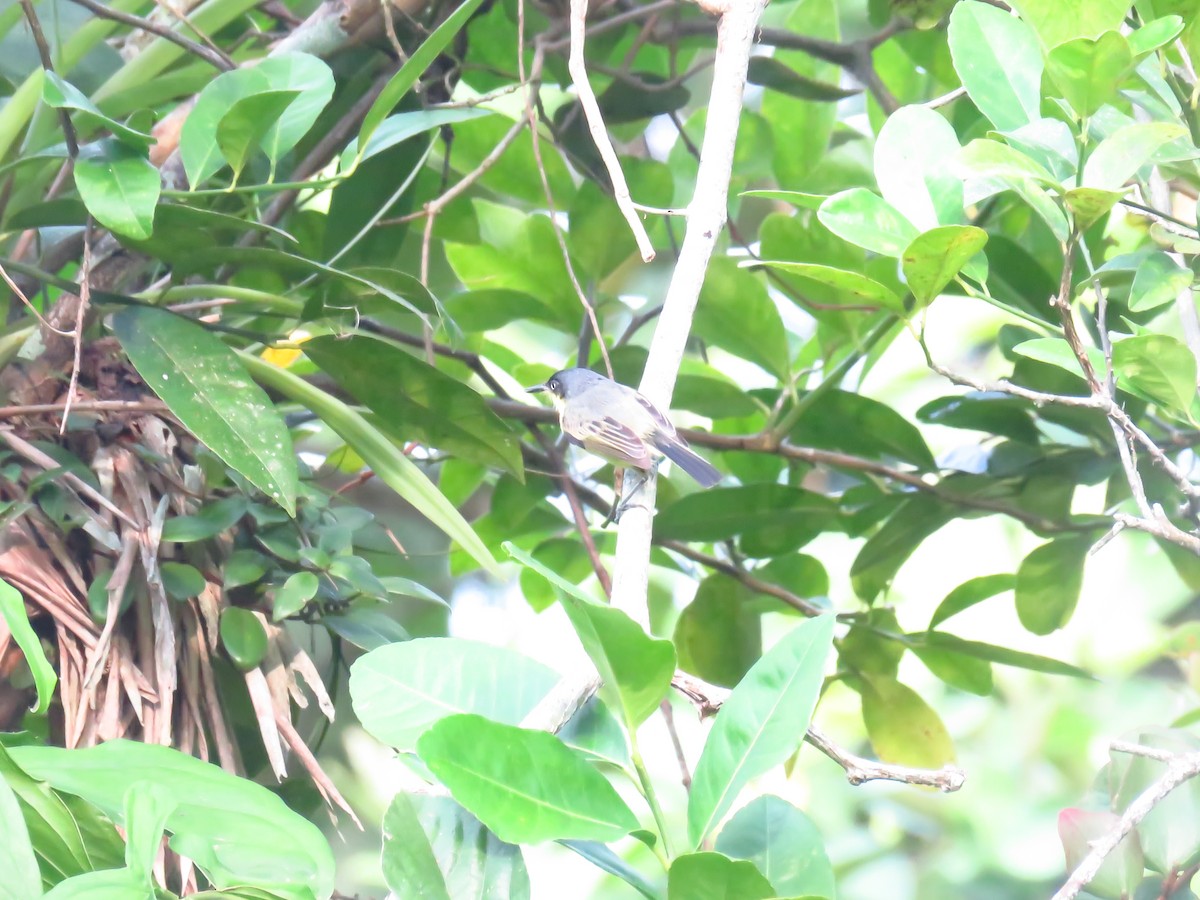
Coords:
pixel 536 389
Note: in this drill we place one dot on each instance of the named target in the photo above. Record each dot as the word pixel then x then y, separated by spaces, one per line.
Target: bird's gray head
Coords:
pixel 568 383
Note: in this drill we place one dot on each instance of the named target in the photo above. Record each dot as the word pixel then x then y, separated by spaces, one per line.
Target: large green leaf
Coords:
pixel 857 424
pixel 867 220
pixel 761 723
pixel 636 669
pixel 885 551
pixel 969 593
pixel 1088 71
pixel 1003 655
pixel 244 125
pixel 862 288
pixel 416 402
pixel 22 880
pixel 910 167
pixel 736 314
pixel 525 786
pixel 60 93
pixel 108 884
pixel 770 518
pixel 1058 22
pixel 714 876
pixel 1157 280
pixel 1048 583
pixel 719 634
pixel 400 690
pixel 16 617
pixel 119 186
pixel 902 727
pixel 1118 157
pixel 1158 366
pixel 935 257
pixel 435 849
pixel 236 831
pixel 386 460
pixel 999 62
pixel 203 383
pixel 282 121
pixel 783 843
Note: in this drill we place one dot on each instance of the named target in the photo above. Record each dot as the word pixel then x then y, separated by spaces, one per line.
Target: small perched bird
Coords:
pixel 618 424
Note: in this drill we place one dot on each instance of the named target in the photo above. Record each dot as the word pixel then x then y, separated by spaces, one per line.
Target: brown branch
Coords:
pixel 214 56
pixel 1180 769
pixel 737 572
pixel 708 699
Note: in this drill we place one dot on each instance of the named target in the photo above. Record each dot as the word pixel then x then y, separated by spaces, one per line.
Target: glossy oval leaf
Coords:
pixel 903 728
pixel 1158 280
pixel 719 634
pixel 241 130
pixel 1049 580
pixel 237 832
pixel 998 59
pixel 761 723
pixel 935 257
pixel 714 876
pixel 202 382
pixel 860 425
pixel 400 690
pixel 969 593
pixel 525 786
pixel 1158 366
pixel 784 845
pixel 910 167
pixel 735 313
pixel 119 186
pixel 61 94
pixel 243 637
pixel 867 220
pixel 293 595
pixel 1117 158
pixel 1088 71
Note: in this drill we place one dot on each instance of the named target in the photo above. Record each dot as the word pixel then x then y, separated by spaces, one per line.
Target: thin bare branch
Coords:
pixel 212 55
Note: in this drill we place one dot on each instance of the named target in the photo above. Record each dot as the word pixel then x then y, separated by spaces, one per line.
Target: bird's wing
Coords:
pixel 613 441
pixel 662 422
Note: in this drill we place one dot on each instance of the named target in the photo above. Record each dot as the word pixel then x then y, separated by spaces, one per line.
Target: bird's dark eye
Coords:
pixel 554 386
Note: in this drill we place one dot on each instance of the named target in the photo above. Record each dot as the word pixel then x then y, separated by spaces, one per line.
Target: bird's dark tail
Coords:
pixel 678 452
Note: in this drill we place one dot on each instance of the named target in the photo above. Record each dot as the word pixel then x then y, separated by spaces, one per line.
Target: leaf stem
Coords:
pixel 663 849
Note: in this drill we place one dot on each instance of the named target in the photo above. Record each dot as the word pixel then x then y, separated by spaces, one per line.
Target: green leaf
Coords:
pixel 409 866
pixel 967 594
pixel 22 879
pixel 770 518
pixel 1059 22
pixel 994 412
pixel 863 289
pixel 1087 205
pixel 307 77
pixel 147 808
pixel 525 786
pixel 1157 280
pixel 714 876
pixel 415 401
pixel 386 460
pixel 985 158
pixel 604 858
pixel 635 669
pixel 1155 34
pixel 903 728
pixel 1048 583
pixel 771 73
pixel 1088 71
pixel 366 627
pixel 201 381
pixel 736 314
pixel 885 551
pixel 867 220
pixel 236 831
pixel 910 167
pixel 243 636
pixel 934 258
pixel 967 673
pixel 1057 352
pixel 467 859
pixel 761 723
pixel 1002 655
pixel 719 634
pixel 400 690
pixel 16 617
pixel 796 198
pixel 1170 831
pixel 1117 158
pixel 293 595
pixel 784 845
pixel 404 125
pixel 208 521
pixel 245 124
pixel 857 424
pixel 61 94
pixel 1121 870
pixel 119 187
pixel 1159 366
pixel 107 884
pixel 999 61
pixel 416 64
pixel 181 580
